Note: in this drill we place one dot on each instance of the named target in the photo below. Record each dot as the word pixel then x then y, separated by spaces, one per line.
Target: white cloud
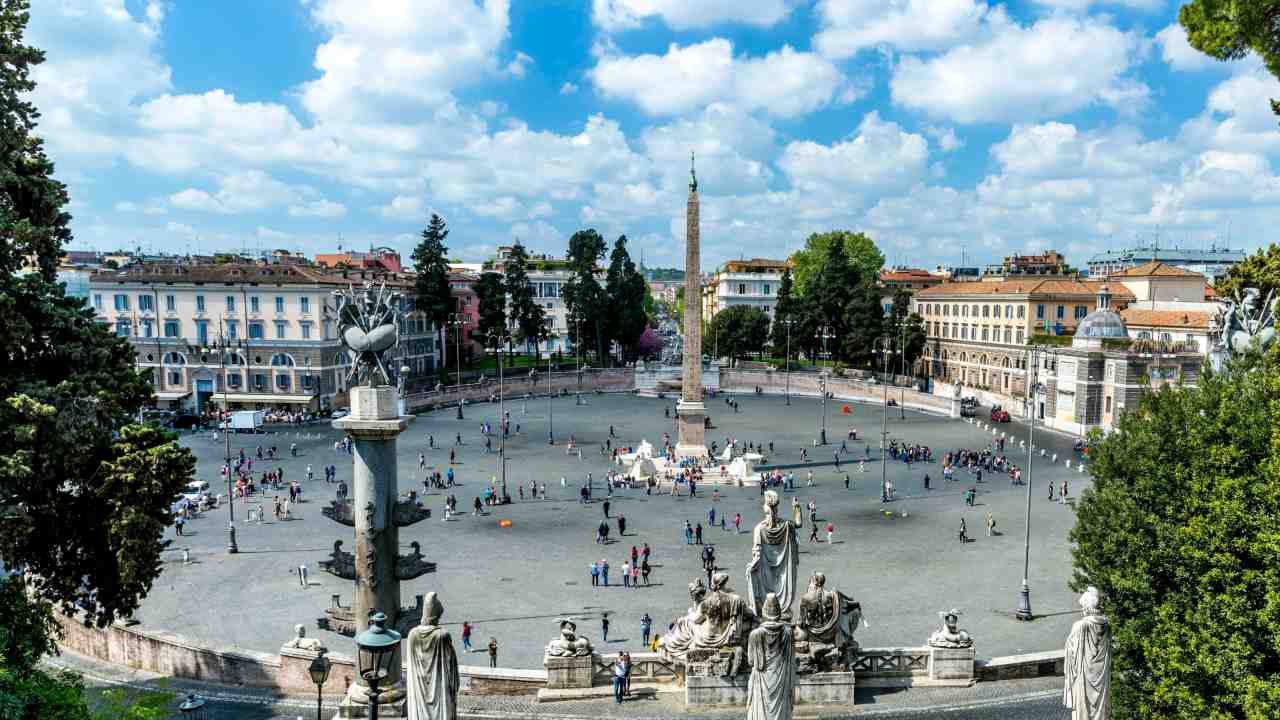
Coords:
pixel 237 193
pixel 568 88
pixel 907 25
pixel 735 151
pixel 785 82
pixel 384 57
pixel 945 137
pixel 318 208
pixel 880 155
pixel 155 206
pixel 1237 114
pixel 266 233
pixel 977 83
pixel 1179 54
pixel 519 65
pixel 615 15
pixel 403 207
pixel 1082 5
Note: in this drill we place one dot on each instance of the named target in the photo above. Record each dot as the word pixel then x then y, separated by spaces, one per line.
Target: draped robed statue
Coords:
pixel 775 558
pixel 1087 665
pixel 771 653
pixel 433 667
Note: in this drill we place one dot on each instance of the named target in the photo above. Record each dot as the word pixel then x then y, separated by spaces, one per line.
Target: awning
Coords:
pixel 171 394
pixel 262 398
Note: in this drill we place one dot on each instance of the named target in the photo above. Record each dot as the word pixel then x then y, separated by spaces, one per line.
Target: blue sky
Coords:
pixel 942 128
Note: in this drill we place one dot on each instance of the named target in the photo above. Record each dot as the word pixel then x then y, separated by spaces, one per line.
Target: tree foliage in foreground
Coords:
pixel 1231 29
pixel 1181 532
pixel 84 496
pixel 737 331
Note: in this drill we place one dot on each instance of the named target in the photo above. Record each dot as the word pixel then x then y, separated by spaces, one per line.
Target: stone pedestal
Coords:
pixel 955 664
pixel 569 672
pixel 373 425
pixel 691 431
pixel 835 688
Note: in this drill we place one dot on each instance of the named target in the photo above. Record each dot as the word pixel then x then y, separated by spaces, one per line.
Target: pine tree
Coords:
pixel 625 291
pixel 784 309
pixel 491 296
pixel 433 296
pixel 583 297
pixel 526 314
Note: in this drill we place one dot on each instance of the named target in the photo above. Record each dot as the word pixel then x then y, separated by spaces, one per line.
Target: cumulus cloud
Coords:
pixel 568 88
pixel 318 208
pixel 974 84
pixel 616 15
pixel 1178 53
pixel 240 192
pixel 907 25
pixel 879 155
pixel 786 82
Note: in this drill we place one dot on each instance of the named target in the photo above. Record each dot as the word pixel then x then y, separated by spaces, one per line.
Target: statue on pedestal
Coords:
pixel 300 640
pixel 569 644
pixel 771 652
pixel 775 556
pixel 676 643
pixel 433 667
pixel 949 635
pixel 1087 666
pixel 825 627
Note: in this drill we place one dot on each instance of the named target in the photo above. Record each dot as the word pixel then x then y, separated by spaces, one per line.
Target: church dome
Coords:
pixel 1101 324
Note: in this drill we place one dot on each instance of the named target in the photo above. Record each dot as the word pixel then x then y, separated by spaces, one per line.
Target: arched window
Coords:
pixel 1008 312
pixel 986 311
pixel 975 311
pixel 173 358
pixel 282 360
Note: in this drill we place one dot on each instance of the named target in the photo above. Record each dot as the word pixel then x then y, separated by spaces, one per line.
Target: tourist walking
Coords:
pixel 626 574
pixel 964 532
pixel 493 652
pixel 813 532
pixel 991 524
pixel 595 574
pixel 466 635
pixel 646 626
pixel 604 626
pixel 831 529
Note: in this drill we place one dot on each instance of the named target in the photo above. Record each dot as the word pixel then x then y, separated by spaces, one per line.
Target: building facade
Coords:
pixel 276 323
pixel 911 280
pixel 1210 262
pixel 978 332
pixel 753 283
pixel 548 276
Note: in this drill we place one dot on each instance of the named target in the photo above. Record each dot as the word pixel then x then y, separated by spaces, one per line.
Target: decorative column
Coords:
pixel 691 432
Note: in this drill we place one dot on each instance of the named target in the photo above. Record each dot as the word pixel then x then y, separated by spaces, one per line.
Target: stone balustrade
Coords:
pixel 519 384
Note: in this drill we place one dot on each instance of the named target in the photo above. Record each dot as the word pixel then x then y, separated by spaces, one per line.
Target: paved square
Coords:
pixel 901 560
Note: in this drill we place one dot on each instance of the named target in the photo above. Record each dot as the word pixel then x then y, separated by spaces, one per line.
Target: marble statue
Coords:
pixel 300 640
pixel 569 644
pixel 676 643
pixel 1087 666
pixel 1243 325
pixel 775 556
pixel 827 616
pixel 369 325
pixel 771 652
pixel 949 635
pixel 433 667
pixel 724 619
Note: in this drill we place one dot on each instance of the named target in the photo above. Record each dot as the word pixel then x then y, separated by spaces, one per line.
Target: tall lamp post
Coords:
pixel 884 348
pixel 551 418
pixel 902 350
pixel 1024 594
pixel 224 346
pixel 822 384
pixel 788 321
pixel 456 322
pixel 577 351
pixel 503 338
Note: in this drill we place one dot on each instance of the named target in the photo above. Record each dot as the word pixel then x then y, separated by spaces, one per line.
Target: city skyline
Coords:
pixel 199 129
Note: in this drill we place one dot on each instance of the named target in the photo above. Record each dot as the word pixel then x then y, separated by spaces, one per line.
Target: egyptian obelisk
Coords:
pixel 691 437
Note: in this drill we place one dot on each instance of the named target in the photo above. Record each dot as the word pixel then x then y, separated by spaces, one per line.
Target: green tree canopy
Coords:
pixel 1181 533
pixel 84 495
pixel 433 296
pixel 866 323
pixel 863 256
pixel 1260 270
pixel 786 306
pixel 583 297
pixel 526 314
pixel 625 292
pixel 491 298
pixel 1231 29
pixel 737 331
pixel 907 329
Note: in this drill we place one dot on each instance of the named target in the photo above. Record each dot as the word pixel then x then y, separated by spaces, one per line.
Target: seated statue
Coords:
pixel 949 636
pixel 300 640
pixel 827 616
pixel 677 641
pixel 725 617
pixel 569 644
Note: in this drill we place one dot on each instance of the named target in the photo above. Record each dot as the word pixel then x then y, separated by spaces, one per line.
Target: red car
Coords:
pixel 998 415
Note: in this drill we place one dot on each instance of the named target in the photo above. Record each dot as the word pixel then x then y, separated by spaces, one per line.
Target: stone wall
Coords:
pixel 774 382
pixel 519 385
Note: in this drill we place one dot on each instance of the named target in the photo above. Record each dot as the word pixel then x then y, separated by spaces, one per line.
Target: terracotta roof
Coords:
pixel 1155 268
pixel 236 273
pixel 756 264
pixel 1029 286
pixel 909 275
pixel 1190 319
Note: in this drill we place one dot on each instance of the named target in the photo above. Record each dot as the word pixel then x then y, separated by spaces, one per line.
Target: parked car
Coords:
pixel 999 414
pixel 968 410
pixel 340 413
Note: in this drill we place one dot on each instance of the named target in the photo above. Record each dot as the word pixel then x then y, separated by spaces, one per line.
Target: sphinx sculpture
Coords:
pixel 950 635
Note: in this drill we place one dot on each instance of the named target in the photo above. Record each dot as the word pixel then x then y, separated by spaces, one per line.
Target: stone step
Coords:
pixel 638 690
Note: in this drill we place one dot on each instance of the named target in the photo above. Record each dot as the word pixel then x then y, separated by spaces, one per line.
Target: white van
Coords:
pixel 196 491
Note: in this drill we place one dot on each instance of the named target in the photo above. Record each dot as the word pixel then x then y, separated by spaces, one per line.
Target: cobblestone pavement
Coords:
pixel 1036 699
pixel 901 560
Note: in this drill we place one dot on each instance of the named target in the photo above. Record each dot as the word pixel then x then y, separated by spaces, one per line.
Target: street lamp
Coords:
pixel 455 321
pixel 319 671
pixel 577 351
pixel 192 708
pixel 502 338
pixel 788 322
pixel 822 383
pixel 551 435
pixel 1024 594
pixel 377 647
pixel 884 345
pixel 223 347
